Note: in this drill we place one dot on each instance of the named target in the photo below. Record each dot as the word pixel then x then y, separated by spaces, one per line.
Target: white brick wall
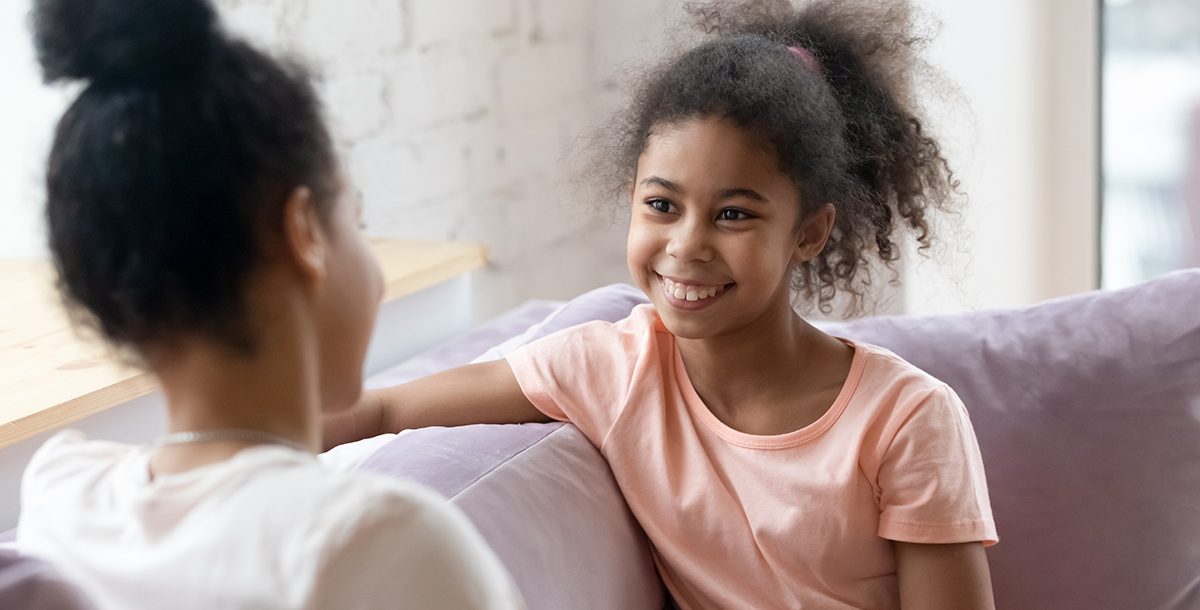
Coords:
pixel 460 118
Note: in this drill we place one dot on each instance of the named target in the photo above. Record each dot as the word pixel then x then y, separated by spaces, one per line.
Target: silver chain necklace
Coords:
pixel 240 435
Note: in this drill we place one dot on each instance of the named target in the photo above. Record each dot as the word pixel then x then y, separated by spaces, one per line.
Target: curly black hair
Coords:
pixel 168 173
pixel 845 129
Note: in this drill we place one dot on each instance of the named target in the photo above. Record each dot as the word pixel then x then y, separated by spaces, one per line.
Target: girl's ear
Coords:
pixel 304 238
pixel 814 232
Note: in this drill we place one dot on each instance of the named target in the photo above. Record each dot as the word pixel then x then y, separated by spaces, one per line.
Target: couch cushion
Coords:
pixel 31 584
pixel 1087 411
pixel 545 501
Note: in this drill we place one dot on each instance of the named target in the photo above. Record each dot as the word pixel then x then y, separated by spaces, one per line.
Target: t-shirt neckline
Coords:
pixel 772 441
pixel 140 465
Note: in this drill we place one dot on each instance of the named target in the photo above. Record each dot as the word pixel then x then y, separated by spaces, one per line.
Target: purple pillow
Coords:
pixel 1087 411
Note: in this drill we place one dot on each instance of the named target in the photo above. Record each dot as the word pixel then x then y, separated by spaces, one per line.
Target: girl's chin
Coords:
pixel 687 325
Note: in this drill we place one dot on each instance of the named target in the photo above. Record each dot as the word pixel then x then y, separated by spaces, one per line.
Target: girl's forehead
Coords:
pixel 710 149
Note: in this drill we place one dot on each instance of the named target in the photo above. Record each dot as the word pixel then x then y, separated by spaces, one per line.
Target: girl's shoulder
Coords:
pixel 889 367
pixel 893 383
pixel 642 329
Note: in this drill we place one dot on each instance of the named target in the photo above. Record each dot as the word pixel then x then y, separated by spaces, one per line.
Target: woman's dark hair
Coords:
pixel 845 128
pixel 169 172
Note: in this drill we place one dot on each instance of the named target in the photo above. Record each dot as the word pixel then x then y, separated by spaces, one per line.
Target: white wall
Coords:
pixel 1026 154
pixel 28 113
pixel 459 118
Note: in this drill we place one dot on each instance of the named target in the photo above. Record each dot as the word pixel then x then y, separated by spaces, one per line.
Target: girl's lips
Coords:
pixel 691 297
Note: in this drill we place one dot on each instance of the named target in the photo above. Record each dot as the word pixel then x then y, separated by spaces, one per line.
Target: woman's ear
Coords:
pixel 304 238
pixel 814 232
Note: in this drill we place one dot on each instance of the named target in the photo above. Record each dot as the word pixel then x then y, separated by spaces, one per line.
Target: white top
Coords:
pixel 268 528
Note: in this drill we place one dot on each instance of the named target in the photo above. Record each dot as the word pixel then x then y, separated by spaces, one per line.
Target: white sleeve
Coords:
pixel 416 551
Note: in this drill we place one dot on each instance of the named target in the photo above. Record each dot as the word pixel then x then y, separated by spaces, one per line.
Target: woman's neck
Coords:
pixel 274 391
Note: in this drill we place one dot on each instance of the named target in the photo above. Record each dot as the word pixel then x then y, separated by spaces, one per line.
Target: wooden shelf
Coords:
pixel 50 376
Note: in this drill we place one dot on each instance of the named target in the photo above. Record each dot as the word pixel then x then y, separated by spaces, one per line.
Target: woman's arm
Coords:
pixel 484 393
pixel 937 576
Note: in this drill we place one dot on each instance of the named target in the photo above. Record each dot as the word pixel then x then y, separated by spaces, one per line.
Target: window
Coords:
pixel 1150 139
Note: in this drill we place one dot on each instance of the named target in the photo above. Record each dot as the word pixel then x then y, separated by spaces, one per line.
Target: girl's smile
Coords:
pixel 691 295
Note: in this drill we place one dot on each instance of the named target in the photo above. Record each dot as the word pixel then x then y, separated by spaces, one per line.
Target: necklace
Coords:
pixel 242 435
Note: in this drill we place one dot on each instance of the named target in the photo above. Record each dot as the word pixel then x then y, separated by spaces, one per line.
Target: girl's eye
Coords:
pixel 661 206
pixel 732 214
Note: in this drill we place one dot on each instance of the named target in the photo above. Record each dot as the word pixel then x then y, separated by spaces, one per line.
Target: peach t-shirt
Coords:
pixel 802 519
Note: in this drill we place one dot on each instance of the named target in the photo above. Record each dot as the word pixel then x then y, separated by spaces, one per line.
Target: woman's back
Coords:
pixel 268 528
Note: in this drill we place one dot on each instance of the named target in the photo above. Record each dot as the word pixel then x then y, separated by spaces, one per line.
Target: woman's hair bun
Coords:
pixel 122 41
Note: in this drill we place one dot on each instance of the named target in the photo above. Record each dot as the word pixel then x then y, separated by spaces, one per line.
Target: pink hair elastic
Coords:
pixel 808 58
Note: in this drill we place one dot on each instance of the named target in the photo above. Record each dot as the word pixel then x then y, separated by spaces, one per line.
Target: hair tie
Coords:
pixel 808 58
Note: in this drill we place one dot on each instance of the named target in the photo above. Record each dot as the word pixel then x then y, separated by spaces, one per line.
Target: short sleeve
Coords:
pixel 931 481
pixel 583 374
pixel 413 552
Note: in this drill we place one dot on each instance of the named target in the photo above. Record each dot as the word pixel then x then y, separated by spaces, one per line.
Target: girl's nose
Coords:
pixel 690 241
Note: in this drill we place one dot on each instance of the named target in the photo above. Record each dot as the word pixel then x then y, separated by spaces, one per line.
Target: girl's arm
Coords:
pixel 943 576
pixel 484 393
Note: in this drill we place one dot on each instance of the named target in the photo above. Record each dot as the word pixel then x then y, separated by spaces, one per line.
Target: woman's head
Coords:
pixel 178 172
pixel 824 94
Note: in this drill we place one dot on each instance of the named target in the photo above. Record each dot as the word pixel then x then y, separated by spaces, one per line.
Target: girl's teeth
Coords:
pixel 689 293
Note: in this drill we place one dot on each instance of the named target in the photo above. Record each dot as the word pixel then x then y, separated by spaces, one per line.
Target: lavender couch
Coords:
pixel 1087 411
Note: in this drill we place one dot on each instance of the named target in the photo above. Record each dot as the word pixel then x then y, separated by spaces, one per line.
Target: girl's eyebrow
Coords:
pixel 663 182
pixel 742 192
pixel 722 195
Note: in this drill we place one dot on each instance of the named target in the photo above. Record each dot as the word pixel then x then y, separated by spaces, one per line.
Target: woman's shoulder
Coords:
pixel 70 456
pixel 67 446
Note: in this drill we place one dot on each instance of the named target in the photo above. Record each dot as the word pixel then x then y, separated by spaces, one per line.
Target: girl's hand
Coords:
pixel 936 576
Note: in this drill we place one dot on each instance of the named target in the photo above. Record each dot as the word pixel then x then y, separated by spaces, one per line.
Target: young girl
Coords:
pixel 771 465
pixel 198 219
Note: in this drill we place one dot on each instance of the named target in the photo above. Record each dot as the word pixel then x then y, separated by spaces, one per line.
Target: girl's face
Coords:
pixel 350 300
pixel 714 231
